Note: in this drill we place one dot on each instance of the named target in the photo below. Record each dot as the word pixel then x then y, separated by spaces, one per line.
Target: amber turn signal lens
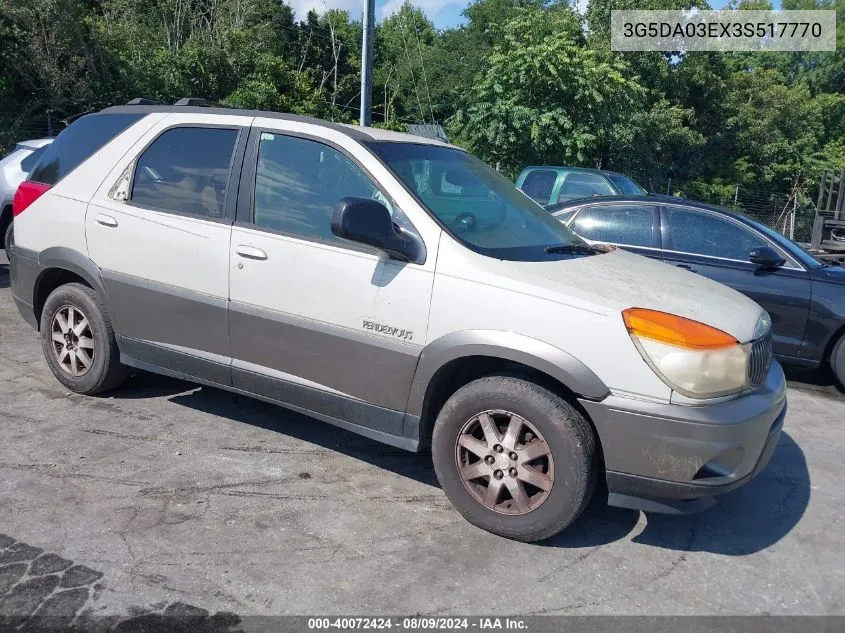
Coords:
pixel 675 330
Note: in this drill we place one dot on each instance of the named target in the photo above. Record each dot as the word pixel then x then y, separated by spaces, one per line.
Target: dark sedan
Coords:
pixel 804 296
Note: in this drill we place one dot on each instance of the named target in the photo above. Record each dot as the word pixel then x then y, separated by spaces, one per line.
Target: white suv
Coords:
pixel 397 287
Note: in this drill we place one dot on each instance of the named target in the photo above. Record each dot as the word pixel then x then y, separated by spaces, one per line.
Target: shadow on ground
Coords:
pixel 745 521
pixel 4 274
pixel 818 379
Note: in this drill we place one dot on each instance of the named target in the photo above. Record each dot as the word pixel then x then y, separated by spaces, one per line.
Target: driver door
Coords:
pixel 717 247
pixel 316 321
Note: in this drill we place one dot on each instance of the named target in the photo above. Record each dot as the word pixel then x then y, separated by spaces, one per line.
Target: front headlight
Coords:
pixel 692 358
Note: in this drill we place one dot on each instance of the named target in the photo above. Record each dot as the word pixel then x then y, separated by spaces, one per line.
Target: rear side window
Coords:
pixel 631 225
pixel 584 186
pixel 75 144
pixel 186 170
pixel 29 162
pixel 538 185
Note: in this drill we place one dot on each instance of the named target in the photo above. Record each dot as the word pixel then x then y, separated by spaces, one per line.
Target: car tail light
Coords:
pixel 27 193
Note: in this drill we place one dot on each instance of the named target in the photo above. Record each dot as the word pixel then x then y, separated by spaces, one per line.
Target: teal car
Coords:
pixel 551 185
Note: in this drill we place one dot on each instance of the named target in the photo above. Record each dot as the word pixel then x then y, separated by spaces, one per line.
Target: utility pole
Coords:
pixel 367 62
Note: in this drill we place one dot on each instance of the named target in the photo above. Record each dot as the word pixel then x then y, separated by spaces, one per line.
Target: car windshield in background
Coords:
pixel 626 186
pixel 584 185
pixel 29 162
pixel 476 204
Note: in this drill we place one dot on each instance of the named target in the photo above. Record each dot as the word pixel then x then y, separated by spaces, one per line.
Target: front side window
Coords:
pixel 185 170
pixel 704 234
pixel 538 184
pixel 299 182
pixel 581 185
pixel 478 206
pixel 625 224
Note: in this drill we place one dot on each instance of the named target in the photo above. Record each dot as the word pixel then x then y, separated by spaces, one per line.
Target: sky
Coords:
pixel 443 13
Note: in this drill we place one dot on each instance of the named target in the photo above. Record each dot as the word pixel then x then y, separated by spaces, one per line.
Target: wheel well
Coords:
pixel 461 371
pixel 48 281
pixel 831 344
pixel 5 219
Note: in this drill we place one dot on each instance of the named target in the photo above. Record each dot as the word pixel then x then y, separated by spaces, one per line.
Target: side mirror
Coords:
pixel 368 221
pixel 766 256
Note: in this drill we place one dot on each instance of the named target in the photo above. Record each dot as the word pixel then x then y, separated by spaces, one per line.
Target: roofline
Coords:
pixel 352 132
pixel 649 199
pixel 563 167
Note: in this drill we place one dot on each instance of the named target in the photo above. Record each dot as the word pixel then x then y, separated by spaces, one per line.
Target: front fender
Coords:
pixel 511 346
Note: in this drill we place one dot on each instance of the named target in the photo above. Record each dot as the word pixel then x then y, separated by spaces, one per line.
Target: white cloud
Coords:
pixel 430 7
pixel 383 9
pixel 302 7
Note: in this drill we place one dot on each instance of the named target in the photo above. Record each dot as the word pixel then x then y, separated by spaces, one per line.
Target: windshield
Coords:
pixel 626 186
pixel 476 204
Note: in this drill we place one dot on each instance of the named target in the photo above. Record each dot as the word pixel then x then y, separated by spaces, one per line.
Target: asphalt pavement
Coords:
pixel 165 497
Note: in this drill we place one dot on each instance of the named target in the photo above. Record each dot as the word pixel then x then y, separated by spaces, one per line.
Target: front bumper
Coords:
pixel 674 458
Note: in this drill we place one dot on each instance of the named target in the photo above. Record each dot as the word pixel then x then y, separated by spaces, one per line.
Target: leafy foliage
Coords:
pixel 522 81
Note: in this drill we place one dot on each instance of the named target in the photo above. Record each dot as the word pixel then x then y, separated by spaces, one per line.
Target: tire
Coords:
pixel 837 362
pixel 569 470
pixel 7 242
pixel 96 341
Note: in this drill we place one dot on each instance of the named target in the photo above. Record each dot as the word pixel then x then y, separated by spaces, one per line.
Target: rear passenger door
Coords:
pixel 159 228
pixel 629 225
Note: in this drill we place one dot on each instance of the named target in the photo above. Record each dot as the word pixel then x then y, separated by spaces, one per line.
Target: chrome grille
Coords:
pixel 761 358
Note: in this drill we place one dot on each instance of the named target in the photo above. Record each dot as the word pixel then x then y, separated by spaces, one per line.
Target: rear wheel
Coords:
pixel 514 458
pixel 837 362
pixel 78 340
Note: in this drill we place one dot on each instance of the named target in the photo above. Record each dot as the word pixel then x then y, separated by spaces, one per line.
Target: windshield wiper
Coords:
pixel 573 248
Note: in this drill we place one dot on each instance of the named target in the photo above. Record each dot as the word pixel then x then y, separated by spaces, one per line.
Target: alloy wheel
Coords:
pixel 504 462
pixel 72 341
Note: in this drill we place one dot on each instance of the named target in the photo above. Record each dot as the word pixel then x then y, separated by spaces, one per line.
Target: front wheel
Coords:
pixel 837 362
pixel 514 458
pixel 7 242
pixel 78 340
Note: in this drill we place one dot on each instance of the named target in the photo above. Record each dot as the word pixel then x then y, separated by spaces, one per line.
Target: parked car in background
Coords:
pixel 804 296
pixel 397 287
pixel 551 185
pixel 13 171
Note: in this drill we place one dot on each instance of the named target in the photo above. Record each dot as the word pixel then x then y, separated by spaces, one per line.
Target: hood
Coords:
pixel 620 280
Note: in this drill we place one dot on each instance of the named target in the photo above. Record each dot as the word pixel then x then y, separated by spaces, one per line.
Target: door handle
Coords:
pixel 250 252
pixel 106 220
pixel 687 267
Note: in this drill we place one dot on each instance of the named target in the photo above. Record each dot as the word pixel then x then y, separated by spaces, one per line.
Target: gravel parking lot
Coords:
pixel 166 497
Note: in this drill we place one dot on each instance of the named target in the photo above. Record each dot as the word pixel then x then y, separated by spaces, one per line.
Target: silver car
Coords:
pixel 13 171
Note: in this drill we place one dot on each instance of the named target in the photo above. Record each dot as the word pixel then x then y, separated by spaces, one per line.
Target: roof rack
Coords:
pixel 142 101
pixel 197 101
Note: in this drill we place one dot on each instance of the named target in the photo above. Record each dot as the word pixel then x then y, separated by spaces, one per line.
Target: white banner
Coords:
pixel 727 30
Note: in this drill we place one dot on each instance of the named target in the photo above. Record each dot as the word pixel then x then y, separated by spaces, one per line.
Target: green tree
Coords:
pixel 544 97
